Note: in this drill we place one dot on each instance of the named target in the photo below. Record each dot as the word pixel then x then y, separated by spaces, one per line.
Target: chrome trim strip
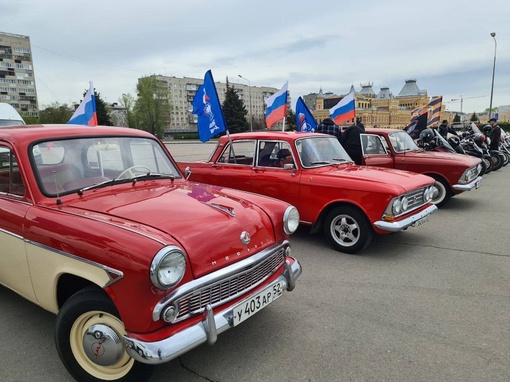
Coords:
pixel 467 187
pixel 396 226
pixel 216 276
pixel 111 272
pixel 11 234
pixel 206 331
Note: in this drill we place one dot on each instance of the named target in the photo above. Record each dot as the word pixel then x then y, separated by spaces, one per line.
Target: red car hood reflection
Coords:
pixel 206 221
pixel 435 155
pixel 404 180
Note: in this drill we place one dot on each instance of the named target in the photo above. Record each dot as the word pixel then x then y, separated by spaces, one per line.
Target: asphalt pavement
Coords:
pixel 426 304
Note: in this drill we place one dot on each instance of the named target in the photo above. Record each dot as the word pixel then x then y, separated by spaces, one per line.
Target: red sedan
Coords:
pixel 314 173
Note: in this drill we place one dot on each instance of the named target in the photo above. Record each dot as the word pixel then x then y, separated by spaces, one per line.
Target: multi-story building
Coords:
pixel 17 80
pixel 182 90
pixel 383 109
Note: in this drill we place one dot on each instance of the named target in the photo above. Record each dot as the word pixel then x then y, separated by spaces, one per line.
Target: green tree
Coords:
pixel 290 120
pixel 30 119
pixel 456 119
pixel 152 108
pixel 474 118
pixel 56 113
pixel 234 111
pixel 128 101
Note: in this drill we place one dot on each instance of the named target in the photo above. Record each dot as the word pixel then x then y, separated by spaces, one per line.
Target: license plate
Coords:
pixel 249 307
pixel 420 222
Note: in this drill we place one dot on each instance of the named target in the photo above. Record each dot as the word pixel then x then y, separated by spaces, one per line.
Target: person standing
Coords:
pixel 351 141
pixel 495 134
pixel 328 126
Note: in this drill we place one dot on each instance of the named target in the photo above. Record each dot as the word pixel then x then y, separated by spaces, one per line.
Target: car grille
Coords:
pixel 415 199
pixel 227 289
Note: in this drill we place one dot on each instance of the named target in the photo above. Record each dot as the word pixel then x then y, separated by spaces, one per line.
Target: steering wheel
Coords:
pixel 132 171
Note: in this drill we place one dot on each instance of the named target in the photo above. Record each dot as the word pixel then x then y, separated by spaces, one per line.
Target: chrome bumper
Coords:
pixel 205 331
pixel 403 224
pixel 466 187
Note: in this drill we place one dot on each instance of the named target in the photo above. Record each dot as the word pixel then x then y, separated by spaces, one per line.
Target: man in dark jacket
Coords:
pixel 351 141
pixel 495 134
pixel 328 127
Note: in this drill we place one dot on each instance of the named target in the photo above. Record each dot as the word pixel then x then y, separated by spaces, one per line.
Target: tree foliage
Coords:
pixel 152 108
pixel 290 120
pixel 474 118
pixel 456 119
pixel 234 111
pixel 128 102
pixel 56 113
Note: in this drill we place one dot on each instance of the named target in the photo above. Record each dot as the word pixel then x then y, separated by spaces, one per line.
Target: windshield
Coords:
pixel 402 142
pixel 321 150
pixel 65 166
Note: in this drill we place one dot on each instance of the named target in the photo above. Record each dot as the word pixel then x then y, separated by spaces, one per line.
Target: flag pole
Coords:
pixel 283 126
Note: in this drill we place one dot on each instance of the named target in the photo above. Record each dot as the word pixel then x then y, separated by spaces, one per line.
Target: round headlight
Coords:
pixel 405 203
pixel 427 194
pixel 396 206
pixel 290 220
pixel 168 267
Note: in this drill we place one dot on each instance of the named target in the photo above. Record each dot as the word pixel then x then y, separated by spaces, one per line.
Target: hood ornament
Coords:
pixel 245 238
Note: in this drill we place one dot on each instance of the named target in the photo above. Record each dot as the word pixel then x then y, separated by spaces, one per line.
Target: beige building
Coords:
pixel 17 79
pixel 182 90
pixel 383 109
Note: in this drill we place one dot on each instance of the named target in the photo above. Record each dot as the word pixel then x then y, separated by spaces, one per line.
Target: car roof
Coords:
pixel 29 133
pixel 380 130
pixel 283 135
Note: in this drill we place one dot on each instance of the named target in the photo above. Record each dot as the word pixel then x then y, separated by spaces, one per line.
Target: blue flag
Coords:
pixel 305 121
pixel 206 105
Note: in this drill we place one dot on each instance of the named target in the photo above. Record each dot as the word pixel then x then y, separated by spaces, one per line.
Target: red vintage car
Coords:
pixel 98 226
pixel 314 173
pixel 392 148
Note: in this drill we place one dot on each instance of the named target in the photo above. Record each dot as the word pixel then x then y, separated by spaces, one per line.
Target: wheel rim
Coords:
pixel 441 193
pixel 81 351
pixel 345 230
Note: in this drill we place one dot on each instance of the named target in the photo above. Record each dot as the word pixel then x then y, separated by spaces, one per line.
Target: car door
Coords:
pixel 276 173
pixel 375 151
pixel 14 271
pixel 234 166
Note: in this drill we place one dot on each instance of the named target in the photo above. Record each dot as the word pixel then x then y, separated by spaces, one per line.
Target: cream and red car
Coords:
pixel 314 173
pixel 98 226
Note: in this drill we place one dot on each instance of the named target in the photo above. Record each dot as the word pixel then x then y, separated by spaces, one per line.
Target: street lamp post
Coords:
pixel 493 35
pixel 249 105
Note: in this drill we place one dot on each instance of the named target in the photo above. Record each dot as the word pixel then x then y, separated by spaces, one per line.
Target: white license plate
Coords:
pixel 420 222
pixel 249 307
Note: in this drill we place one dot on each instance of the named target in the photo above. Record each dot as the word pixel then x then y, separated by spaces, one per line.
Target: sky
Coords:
pixel 330 45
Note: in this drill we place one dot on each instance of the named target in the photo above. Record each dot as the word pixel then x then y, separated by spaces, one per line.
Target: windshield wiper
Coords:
pixel 342 160
pixel 111 182
pixel 321 162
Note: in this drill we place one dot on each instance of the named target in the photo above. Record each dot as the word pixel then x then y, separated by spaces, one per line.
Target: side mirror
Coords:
pixel 187 172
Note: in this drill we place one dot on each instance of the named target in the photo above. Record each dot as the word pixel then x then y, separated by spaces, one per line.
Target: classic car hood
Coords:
pixel 400 181
pixel 458 159
pixel 205 220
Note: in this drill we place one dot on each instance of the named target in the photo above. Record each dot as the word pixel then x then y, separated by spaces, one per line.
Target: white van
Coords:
pixel 9 116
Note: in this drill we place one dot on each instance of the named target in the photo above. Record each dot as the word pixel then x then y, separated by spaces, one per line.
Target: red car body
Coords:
pixel 392 148
pixel 140 267
pixel 326 189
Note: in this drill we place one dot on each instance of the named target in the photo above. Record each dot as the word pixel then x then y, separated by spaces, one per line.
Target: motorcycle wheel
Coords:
pixel 489 164
pixel 507 158
pixel 484 168
pixel 498 161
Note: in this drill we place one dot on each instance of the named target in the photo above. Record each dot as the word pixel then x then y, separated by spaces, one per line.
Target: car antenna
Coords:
pixel 59 201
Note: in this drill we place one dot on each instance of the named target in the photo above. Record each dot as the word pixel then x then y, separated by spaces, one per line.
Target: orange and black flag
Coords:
pixel 434 109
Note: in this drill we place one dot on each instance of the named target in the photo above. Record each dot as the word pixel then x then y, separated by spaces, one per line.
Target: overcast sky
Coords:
pixel 444 44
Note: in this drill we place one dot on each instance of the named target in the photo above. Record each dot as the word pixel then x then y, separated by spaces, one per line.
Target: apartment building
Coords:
pixel 17 79
pixel 183 89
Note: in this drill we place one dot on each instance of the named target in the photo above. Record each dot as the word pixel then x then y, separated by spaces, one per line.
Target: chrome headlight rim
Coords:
pixel 396 206
pixel 168 259
pixel 290 220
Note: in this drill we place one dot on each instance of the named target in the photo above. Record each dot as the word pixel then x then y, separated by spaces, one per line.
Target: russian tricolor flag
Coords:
pixel 86 113
pixel 345 110
pixel 276 106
